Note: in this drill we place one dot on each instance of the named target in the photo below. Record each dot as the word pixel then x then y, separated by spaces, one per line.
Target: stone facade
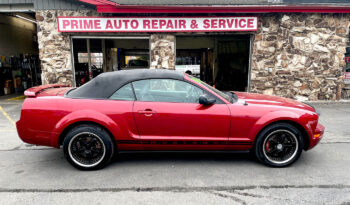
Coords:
pixel 162 51
pixel 297 56
pixel 300 55
pixel 54 47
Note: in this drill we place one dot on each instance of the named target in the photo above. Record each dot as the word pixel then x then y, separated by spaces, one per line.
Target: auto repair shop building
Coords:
pixel 288 48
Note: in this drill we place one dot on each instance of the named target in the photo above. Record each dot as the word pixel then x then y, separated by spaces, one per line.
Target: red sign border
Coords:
pixel 152 31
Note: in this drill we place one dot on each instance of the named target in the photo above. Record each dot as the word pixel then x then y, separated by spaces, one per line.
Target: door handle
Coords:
pixel 146 112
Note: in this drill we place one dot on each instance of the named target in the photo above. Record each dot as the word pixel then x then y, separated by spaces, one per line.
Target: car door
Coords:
pixel 119 108
pixel 169 117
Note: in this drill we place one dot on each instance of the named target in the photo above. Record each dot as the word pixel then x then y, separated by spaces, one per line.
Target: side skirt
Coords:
pixel 185 151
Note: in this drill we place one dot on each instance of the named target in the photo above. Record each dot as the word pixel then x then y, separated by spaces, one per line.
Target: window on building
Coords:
pixel 93 56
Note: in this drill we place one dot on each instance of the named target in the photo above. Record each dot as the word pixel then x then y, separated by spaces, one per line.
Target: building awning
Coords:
pixel 220 6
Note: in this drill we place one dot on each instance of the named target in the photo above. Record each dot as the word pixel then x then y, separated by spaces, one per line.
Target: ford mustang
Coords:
pixel 162 110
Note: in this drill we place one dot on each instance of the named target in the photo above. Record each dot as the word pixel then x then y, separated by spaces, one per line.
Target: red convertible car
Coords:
pixel 140 110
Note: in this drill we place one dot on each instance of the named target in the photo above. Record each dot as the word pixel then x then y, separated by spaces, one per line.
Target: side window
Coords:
pixel 124 93
pixel 166 90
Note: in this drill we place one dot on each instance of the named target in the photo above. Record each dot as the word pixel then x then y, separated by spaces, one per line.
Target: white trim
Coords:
pixel 111 37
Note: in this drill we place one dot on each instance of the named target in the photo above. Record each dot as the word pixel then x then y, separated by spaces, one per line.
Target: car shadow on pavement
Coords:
pixel 55 160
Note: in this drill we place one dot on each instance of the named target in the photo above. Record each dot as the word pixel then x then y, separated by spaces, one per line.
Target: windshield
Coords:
pixel 223 95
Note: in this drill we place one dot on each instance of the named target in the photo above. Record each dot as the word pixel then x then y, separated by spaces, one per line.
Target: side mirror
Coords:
pixel 206 100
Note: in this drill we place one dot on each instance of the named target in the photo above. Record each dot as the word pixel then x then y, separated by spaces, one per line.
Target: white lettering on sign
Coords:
pixel 156 24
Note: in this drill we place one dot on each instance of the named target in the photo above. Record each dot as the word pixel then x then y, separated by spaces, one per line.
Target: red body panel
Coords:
pixel 182 122
pixel 139 125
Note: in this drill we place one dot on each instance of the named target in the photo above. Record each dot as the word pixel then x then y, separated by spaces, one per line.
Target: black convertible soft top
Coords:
pixel 105 84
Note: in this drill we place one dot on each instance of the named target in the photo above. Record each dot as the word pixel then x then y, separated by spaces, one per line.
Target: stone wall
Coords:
pixel 162 51
pixel 300 55
pixel 54 47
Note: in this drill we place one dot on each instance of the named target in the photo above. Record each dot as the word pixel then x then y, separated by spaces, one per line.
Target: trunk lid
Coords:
pixel 47 90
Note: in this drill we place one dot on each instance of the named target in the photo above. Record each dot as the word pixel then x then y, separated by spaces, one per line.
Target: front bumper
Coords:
pixel 317 136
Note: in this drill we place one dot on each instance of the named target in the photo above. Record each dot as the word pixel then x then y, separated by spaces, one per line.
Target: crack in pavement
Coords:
pixel 246 194
pixel 236 199
pixel 262 196
pixel 178 188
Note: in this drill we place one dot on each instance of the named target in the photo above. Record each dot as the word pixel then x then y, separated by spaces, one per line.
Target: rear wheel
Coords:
pixel 88 147
pixel 279 145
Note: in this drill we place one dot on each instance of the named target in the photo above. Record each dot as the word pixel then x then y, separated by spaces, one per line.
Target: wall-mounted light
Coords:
pixel 27 19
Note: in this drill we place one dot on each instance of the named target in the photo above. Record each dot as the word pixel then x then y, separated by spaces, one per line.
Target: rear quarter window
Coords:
pixel 124 93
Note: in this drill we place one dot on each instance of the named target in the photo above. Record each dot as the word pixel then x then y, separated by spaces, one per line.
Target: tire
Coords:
pixel 88 147
pixel 279 145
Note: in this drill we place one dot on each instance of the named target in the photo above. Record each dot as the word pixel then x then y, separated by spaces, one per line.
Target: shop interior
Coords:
pixel 221 61
pixel 94 56
pixel 19 53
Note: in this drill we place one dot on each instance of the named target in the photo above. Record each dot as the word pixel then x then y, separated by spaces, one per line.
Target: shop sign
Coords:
pixel 347 77
pixel 156 24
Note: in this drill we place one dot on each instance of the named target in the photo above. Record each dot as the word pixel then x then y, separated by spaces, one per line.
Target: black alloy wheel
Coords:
pixel 88 147
pixel 279 145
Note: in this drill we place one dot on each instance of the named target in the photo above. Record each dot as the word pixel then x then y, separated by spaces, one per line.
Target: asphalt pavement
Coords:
pixel 40 175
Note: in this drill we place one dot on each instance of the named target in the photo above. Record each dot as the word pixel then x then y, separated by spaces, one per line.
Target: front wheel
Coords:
pixel 88 147
pixel 279 145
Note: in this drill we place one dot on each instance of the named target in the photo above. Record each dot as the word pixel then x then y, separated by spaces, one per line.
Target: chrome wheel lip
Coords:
pixel 291 157
pixel 82 164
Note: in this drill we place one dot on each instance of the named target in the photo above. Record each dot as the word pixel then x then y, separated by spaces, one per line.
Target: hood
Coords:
pixel 253 98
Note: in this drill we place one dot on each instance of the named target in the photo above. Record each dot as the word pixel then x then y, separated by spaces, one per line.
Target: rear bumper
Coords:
pixel 32 136
pixel 317 136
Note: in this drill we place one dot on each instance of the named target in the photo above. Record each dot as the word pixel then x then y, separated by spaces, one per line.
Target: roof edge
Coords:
pixel 224 9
